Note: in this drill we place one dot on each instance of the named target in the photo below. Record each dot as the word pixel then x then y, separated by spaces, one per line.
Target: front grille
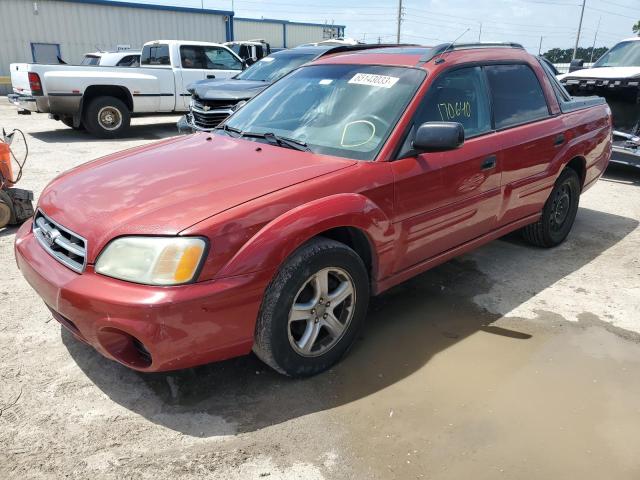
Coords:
pixel 208 114
pixel 62 244
pixel 209 120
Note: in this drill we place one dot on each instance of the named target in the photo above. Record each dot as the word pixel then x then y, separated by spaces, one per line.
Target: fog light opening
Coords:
pixel 125 348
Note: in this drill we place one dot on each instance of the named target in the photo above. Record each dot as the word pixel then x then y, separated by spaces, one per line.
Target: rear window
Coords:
pixel 517 95
pixel 155 55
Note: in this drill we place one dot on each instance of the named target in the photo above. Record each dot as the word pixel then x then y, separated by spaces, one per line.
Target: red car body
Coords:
pixel 257 205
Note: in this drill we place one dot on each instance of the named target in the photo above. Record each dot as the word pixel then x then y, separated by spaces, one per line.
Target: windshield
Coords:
pixel 624 54
pixel 270 69
pixel 342 110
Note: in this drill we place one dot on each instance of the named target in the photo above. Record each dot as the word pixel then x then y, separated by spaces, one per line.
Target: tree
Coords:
pixel 564 55
pixel 636 28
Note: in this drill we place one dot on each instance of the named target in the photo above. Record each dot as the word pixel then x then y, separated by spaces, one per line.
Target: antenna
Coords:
pixel 450 45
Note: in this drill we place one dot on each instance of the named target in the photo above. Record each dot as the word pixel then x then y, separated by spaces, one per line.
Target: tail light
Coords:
pixel 34 84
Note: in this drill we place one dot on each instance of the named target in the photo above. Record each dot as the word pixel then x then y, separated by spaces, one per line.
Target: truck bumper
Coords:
pixel 29 103
pixel 143 327
pixel 626 149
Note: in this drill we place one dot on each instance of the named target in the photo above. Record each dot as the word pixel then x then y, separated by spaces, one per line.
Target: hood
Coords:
pixel 163 188
pixel 604 73
pixel 227 89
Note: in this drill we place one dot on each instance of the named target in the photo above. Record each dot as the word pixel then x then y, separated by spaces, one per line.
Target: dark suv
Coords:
pixel 214 100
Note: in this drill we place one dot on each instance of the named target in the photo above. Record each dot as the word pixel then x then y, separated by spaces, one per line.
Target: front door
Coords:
pixel 445 199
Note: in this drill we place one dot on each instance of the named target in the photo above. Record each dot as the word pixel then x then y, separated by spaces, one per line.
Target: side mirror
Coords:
pixel 576 64
pixel 438 137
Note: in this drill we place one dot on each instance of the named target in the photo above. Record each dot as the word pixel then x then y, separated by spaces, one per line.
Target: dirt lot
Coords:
pixel 510 362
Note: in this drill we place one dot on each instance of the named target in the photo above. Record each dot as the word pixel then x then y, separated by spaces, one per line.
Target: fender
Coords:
pixel 279 238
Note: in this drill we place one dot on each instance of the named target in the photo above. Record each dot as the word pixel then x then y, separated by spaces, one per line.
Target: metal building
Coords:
pixel 283 33
pixel 41 30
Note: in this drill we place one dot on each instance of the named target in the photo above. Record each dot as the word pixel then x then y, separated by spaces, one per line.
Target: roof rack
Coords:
pixel 449 47
pixel 367 46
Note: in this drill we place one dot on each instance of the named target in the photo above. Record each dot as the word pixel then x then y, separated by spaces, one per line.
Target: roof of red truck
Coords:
pixel 421 56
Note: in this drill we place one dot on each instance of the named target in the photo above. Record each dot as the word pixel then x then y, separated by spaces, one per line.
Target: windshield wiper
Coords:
pixel 229 130
pixel 280 141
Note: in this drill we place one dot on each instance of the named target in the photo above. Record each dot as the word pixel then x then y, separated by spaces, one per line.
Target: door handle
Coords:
pixel 489 163
pixel 211 76
pixel 559 140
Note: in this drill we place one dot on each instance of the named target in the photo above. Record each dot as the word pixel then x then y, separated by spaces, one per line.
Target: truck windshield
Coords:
pixel 342 110
pixel 270 69
pixel 623 54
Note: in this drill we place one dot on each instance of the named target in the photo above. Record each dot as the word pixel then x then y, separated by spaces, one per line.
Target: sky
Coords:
pixel 429 22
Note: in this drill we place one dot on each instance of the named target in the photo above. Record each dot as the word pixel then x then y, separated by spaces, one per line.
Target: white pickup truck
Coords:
pixel 616 77
pixel 103 99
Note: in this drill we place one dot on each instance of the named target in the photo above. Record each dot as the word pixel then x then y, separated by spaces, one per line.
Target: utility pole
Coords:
pixel 575 50
pixel 480 33
pixel 540 46
pixel 399 20
pixel 595 38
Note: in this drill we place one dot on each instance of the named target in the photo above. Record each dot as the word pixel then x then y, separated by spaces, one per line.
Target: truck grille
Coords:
pixel 207 115
pixel 62 244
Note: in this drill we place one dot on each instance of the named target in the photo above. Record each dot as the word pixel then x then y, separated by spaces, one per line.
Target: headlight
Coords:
pixel 152 260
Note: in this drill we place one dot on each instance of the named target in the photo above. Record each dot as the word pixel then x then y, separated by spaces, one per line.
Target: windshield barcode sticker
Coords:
pixel 374 80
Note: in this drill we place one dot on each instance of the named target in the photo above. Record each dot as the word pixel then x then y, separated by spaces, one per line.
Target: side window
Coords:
pixel 220 58
pixel 458 96
pixel 517 95
pixel 191 56
pixel 129 61
pixel 155 55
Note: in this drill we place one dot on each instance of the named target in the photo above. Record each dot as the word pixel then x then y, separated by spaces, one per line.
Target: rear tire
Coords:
pixel 106 117
pixel 312 309
pixel 6 210
pixel 558 214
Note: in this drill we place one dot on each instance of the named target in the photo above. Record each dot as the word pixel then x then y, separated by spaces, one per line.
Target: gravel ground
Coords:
pixel 509 361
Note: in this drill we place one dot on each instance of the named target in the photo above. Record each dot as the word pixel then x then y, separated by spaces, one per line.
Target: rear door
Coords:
pixel 530 137
pixel 446 199
pixel 155 56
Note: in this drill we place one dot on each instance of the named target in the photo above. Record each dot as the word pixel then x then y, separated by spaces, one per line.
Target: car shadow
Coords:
pixel 406 327
pixel 151 131
pixel 619 173
pixel 9 230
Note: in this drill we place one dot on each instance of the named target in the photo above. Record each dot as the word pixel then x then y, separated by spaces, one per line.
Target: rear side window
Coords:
pixel 129 61
pixel 155 55
pixel 517 95
pixel 90 60
pixel 459 96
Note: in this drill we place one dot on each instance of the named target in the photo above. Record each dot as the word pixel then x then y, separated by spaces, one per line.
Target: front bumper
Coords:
pixel 143 327
pixel 29 103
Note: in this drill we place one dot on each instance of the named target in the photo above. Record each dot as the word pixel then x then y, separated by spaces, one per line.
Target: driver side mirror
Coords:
pixel 438 137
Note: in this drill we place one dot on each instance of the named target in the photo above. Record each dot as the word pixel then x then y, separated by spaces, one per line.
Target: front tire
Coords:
pixel 106 117
pixel 312 309
pixel 558 214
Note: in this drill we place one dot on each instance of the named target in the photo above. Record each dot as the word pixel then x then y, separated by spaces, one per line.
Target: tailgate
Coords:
pixel 20 78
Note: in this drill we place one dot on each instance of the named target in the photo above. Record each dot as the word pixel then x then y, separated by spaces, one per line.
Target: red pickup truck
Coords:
pixel 343 179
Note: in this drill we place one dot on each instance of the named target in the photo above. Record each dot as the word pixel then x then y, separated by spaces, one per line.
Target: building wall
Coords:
pixel 250 29
pixel 282 33
pixel 81 26
pixel 84 27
